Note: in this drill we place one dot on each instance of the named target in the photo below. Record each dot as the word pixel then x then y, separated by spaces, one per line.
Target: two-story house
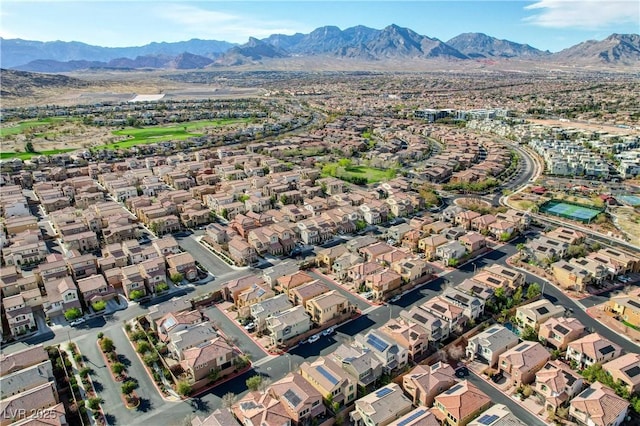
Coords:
pixel 536 313
pixel 521 363
pixel 381 407
pixel 423 383
pixel 327 307
pixel 328 378
pixel 488 345
pixel 598 405
pixel 592 349
pixel 558 332
pixel 460 404
pixel 288 324
pixel 557 383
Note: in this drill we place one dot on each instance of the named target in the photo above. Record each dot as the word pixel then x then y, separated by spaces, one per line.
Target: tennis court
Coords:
pixel 570 211
pixel 631 200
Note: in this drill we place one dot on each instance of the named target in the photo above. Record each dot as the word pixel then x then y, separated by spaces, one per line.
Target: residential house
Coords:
pixel 423 383
pixel 536 313
pixel 592 349
pixel 214 356
pixel 625 307
pixel 465 218
pixel 451 252
pixel 545 249
pixel 372 252
pixel 481 223
pixel 460 404
pixel 61 295
pixel 497 415
pixel 37 399
pixel 19 315
pixel 566 235
pixel 233 288
pixel 430 244
pixel 570 276
pixel 132 280
pixel 412 269
pixel 598 405
pixel 436 328
pixel 166 245
pixel 361 364
pixel 261 408
pixel 558 384
pixel 474 288
pixel 288 324
pixel 441 308
pixel 558 332
pixel 409 335
pixel 381 407
pixel 287 283
pixel 597 271
pixel 342 264
pixel 473 242
pixel 472 306
pixel 219 417
pixel 420 416
pixel 521 363
pixel 301 294
pixel 274 305
pixel 392 355
pixel 501 228
pixel 184 264
pixel 490 344
pixel 512 277
pixel 625 369
pixel 301 401
pixel 94 288
pixel 327 307
pixel 26 378
pixel 254 294
pixel 327 256
pixel 241 252
pixel 328 378
pixel 382 283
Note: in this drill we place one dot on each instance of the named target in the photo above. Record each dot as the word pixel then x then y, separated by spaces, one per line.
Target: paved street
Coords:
pixel 207 259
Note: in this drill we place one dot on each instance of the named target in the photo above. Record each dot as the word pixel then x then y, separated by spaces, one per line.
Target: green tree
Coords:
pixel 453 262
pixel 85 371
pixel 28 147
pixel 505 236
pixel 183 388
pixel 162 287
pixel 533 290
pixel 225 213
pixel 94 403
pixel 529 333
pixel 98 306
pixel 118 368
pixel 128 387
pixel 136 294
pixel 254 382
pixel 143 347
pixel 360 225
pixel 176 277
pixel 72 314
pixel 517 296
pixel 107 345
pixel 213 375
pixel 150 358
pixel 228 399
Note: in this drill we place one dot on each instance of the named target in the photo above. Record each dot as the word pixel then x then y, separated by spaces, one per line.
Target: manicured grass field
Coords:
pixel 28 124
pixel 372 175
pixel 28 155
pixel 145 135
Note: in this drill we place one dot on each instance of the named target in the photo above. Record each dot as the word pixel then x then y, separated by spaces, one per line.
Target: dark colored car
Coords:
pixel 462 372
pixel 497 377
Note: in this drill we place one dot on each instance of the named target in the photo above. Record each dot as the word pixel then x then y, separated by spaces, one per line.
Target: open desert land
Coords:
pixel 593 127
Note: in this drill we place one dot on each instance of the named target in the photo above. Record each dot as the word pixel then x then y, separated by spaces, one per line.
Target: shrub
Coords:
pixel 138 335
pixel 136 294
pixel 150 358
pixel 128 387
pixel 85 371
pixel 183 388
pixel 118 368
pixel 107 345
pixel 143 347
pixel 94 403
pixel 98 306
pixel 78 358
pixel 100 335
pixel 162 287
pixel 72 314
pixel 253 383
pixel 176 277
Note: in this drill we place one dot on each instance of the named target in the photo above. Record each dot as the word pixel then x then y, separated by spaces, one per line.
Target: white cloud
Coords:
pixel 583 14
pixel 202 23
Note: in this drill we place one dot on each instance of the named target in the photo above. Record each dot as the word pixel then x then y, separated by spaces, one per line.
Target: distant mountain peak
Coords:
pixel 480 45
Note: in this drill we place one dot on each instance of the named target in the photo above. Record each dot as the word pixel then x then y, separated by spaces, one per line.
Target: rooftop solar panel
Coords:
pixel 439 308
pixel 419 318
pixel 377 343
pixel 607 350
pixel 560 329
pixel 291 397
pixel 542 310
pixel 383 392
pixel 412 417
pixel 327 375
pixel 634 303
pixel 522 347
pixel 493 280
pixel 508 273
pixel 587 392
pixel 454 389
pixel 487 419
pixel 633 371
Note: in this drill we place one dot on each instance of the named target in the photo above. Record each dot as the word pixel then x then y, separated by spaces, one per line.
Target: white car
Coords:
pixel 77 322
pixel 314 338
pixel 395 298
pixel 328 332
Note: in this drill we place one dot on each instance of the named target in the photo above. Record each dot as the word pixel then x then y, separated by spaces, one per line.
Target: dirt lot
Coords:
pixel 587 126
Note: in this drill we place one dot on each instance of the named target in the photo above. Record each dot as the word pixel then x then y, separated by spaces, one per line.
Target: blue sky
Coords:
pixel 544 24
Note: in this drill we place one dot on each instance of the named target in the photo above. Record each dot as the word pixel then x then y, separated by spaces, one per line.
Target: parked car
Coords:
pixel 250 326
pixel 462 372
pixel 624 279
pixel 77 322
pixel 395 298
pixel 328 332
pixel 497 377
pixel 314 338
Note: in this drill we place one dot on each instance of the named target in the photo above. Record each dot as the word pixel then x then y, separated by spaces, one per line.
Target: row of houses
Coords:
pixel 79 280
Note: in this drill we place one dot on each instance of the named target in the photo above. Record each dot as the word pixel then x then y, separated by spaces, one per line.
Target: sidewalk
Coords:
pixel 75 371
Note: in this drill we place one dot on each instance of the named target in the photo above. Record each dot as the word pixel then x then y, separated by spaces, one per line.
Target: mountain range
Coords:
pixel 324 43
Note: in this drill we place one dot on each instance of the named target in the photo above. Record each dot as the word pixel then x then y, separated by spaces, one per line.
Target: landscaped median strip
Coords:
pixel 118 372
pixel 86 389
